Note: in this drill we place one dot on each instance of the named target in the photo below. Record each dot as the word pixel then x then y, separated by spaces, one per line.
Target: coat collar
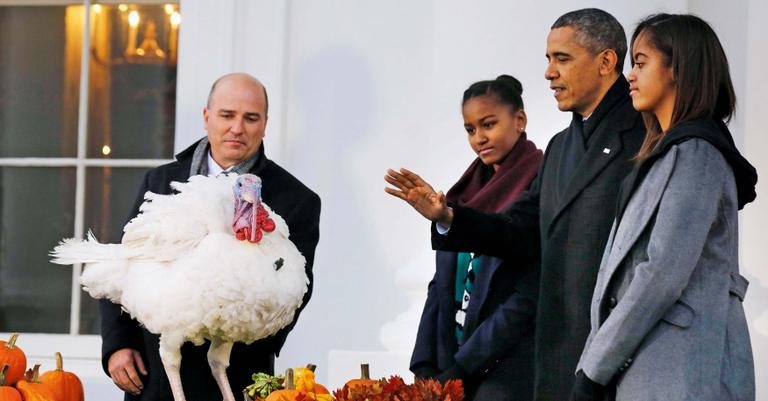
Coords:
pixel 606 142
pixel 180 169
pixel 713 131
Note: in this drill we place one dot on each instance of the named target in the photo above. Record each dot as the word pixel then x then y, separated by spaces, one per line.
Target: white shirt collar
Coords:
pixel 213 168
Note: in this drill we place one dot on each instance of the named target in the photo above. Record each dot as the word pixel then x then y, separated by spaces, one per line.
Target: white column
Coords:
pixel 219 37
pixel 754 218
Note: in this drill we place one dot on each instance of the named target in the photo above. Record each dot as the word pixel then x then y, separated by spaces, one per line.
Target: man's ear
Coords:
pixel 206 116
pixel 608 60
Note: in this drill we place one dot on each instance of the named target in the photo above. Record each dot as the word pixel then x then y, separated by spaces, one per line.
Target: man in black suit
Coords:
pixel 235 119
pixel 568 210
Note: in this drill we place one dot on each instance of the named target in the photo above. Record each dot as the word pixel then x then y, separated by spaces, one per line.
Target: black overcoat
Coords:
pixel 299 207
pixel 570 227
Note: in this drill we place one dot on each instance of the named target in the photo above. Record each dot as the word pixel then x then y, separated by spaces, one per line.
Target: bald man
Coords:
pixel 235 119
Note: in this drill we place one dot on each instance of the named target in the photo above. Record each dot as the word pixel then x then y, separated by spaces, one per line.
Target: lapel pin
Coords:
pixel 606 150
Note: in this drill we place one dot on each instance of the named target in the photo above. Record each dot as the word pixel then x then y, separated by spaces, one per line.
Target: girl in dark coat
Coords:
pixel 477 323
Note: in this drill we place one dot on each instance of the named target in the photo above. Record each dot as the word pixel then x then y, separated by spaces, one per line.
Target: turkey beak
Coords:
pixel 249 196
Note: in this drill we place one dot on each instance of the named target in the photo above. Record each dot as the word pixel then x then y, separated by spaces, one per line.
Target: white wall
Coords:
pixel 359 86
pixel 754 219
pixel 218 37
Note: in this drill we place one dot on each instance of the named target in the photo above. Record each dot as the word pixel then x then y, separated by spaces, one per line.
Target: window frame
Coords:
pixel 80 162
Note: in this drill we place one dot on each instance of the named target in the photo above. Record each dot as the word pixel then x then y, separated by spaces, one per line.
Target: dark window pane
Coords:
pixel 133 81
pixel 110 193
pixel 36 211
pixel 39 79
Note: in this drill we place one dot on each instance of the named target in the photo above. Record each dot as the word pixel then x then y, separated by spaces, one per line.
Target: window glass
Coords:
pixel 130 115
pixel 36 211
pixel 39 79
pixel 110 194
pixel 133 81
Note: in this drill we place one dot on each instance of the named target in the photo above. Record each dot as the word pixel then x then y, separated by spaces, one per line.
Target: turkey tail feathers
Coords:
pixel 90 250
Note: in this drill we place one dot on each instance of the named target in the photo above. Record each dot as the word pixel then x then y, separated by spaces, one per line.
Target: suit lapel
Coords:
pixel 606 146
pixel 179 172
pixel 641 208
pixel 175 172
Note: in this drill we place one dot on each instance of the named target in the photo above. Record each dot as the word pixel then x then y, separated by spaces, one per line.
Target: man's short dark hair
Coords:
pixel 596 30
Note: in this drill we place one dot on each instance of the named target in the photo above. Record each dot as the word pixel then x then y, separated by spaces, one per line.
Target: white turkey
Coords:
pixel 209 262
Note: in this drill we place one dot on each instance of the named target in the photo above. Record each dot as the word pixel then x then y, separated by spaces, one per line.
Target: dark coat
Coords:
pixel 571 229
pixel 497 359
pixel 299 207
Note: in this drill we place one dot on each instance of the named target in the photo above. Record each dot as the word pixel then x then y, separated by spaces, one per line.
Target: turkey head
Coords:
pixel 250 219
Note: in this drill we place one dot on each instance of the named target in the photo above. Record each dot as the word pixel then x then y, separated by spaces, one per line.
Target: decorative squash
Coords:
pixel 288 393
pixel 32 390
pixel 304 380
pixel 15 358
pixel 7 393
pixel 65 386
pixel 360 387
pixel 364 380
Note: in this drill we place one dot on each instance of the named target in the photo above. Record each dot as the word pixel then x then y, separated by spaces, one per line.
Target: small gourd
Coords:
pixel 65 386
pixel 12 355
pixel 7 393
pixel 304 379
pixel 288 393
pixel 32 390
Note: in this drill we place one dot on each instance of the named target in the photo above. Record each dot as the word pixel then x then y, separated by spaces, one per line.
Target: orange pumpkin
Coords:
pixel 32 390
pixel 288 393
pixel 320 389
pixel 361 385
pixel 13 356
pixel 66 386
pixel 364 380
pixel 7 393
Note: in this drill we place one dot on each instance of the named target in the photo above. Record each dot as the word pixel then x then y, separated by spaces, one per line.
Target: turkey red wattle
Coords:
pixel 250 219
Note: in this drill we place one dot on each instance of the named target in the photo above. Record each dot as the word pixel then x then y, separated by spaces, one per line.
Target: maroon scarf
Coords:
pixel 492 192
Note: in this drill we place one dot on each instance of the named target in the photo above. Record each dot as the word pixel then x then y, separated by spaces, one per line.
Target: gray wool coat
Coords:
pixel 667 321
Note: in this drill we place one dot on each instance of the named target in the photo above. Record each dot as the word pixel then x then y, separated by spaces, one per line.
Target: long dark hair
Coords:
pixel 700 69
pixel 506 89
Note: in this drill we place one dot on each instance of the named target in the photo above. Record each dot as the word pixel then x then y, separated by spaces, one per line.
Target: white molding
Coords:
pixel 73 162
pixel 77 3
pixel 82 141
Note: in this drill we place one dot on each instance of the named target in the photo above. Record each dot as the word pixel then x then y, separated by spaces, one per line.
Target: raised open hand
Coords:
pixel 420 195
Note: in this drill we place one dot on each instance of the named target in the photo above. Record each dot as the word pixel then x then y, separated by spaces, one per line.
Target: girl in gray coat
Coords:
pixel 666 315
